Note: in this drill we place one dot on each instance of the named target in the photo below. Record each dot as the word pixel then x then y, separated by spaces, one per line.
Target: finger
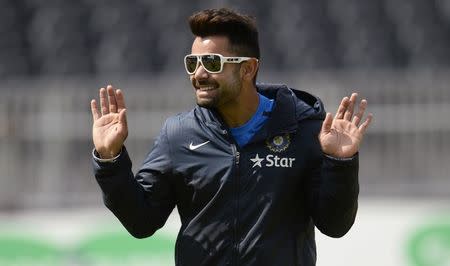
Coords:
pixel 341 109
pixel 103 102
pixel 327 122
pixel 94 110
pixel 362 108
pixel 111 99
pixel 120 100
pixel 123 117
pixel 351 106
pixel 363 127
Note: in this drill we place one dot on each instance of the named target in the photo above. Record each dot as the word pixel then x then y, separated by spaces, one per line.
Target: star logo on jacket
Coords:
pixel 278 143
pixel 257 161
pixel 272 161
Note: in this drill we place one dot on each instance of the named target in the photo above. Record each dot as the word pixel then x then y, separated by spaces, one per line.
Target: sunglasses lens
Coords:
pixel 191 63
pixel 211 63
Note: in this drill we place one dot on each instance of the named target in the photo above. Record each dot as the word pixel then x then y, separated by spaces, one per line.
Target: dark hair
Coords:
pixel 240 29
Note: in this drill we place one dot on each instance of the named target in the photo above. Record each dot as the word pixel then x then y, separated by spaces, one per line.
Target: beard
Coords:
pixel 207 93
pixel 212 95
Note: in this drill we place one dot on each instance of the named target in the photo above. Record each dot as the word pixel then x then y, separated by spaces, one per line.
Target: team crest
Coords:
pixel 278 143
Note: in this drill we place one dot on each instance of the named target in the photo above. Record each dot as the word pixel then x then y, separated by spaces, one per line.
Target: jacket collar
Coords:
pixel 284 116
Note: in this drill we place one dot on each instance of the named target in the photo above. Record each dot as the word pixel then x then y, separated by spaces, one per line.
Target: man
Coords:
pixel 251 169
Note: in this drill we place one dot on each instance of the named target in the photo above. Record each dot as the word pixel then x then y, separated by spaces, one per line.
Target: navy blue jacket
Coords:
pixel 255 205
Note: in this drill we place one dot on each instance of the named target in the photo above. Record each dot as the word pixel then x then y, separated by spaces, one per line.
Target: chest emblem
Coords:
pixel 278 143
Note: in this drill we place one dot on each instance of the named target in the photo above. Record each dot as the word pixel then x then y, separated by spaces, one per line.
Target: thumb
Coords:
pixel 326 125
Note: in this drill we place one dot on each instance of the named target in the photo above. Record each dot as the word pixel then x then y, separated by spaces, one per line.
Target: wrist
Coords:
pixel 98 158
pixel 103 154
pixel 338 158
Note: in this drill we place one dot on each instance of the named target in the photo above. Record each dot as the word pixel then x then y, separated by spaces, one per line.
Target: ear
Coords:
pixel 249 69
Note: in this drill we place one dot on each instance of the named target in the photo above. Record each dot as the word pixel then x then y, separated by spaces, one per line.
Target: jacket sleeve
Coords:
pixel 333 193
pixel 143 202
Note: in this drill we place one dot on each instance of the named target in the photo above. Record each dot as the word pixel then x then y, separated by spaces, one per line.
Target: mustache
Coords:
pixel 203 82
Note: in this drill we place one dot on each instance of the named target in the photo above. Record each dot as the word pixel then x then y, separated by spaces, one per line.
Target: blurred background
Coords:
pixel 54 55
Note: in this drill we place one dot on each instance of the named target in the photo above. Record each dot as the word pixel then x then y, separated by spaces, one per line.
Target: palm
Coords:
pixel 109 129
pixel 341 137
pixel 342 140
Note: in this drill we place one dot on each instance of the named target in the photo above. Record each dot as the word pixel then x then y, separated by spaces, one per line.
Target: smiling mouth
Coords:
pixel 206 88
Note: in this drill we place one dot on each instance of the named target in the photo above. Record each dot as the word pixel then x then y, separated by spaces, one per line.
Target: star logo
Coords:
pixel 257 161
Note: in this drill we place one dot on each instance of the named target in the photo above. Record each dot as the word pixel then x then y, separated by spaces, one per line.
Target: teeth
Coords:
pixel 207 88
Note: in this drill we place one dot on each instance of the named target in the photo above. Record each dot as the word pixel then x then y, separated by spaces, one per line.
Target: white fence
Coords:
pixel 45 131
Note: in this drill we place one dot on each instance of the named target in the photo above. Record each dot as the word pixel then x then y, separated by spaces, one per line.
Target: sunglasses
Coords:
pixel 212 63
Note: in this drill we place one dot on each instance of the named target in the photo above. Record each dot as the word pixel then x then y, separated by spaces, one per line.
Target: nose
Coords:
pixel 200 73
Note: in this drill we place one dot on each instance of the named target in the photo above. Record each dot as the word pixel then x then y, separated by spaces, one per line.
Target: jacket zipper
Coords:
pixel 237 155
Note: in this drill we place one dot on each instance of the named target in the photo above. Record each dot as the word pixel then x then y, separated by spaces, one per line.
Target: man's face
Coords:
pixel 215 90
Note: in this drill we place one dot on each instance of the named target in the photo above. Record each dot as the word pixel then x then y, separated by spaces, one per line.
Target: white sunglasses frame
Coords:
pixel 223 60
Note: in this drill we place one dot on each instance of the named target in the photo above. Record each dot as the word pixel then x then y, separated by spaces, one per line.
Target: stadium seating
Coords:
pixel 150 36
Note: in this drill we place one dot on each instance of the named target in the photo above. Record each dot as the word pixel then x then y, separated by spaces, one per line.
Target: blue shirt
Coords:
pixel 244 133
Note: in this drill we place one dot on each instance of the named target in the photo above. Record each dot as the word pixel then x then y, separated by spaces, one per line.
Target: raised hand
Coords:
pixel 109 129
pixel 341 137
